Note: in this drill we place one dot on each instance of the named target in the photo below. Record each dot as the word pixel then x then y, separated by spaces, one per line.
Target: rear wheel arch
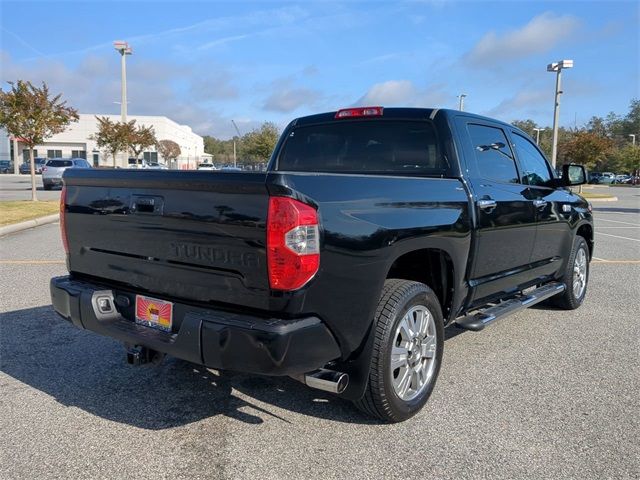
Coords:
pixel 432 266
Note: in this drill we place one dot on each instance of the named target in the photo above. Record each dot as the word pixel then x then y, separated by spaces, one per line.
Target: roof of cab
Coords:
pixel 392 112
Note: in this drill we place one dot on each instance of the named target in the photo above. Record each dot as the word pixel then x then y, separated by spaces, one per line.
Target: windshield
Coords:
pixel 378 146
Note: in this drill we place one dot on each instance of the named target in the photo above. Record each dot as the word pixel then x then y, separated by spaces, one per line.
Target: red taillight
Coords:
pixel 63 223
pixel 359 112
pixel 293 243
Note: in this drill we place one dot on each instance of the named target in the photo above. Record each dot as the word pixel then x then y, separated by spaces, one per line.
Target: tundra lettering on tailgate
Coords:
pixel 214 255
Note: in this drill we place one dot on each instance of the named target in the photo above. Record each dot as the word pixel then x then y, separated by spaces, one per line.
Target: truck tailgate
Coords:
pixel 198 236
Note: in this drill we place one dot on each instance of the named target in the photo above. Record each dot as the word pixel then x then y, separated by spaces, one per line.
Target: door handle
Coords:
pixel 540 203
pixel 487 204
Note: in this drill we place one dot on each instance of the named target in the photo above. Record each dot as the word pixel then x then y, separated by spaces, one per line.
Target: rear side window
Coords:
pixel 493 155
pixel 59 163
pixel 374 146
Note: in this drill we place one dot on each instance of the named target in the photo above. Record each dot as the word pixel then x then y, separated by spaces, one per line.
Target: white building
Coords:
pixel 76 141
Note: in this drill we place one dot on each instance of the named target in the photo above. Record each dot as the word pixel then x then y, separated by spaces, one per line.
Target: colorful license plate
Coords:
pixel 154 313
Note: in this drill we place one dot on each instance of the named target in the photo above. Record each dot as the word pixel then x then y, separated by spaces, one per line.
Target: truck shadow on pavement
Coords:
pixel 84 370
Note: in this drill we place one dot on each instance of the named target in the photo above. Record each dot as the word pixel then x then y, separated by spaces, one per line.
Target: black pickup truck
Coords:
pixel 371 231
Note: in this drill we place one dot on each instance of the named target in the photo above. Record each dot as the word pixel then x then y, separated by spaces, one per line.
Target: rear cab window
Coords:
pixel 494 158
pixel 59 163
pixel 364 146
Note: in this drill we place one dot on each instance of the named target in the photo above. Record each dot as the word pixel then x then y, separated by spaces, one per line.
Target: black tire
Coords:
pixel 568 300
pixel 380 399
pixel 46 186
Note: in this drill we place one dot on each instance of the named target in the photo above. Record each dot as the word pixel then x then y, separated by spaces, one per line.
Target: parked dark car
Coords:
pixel 6 166
pixel 39 163
pixel 594 177
pixel 371 231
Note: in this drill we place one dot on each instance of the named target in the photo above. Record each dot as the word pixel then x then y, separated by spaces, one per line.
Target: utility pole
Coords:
pixel 124 49
pixel 461 101
pixel 235 162
pixel 557 67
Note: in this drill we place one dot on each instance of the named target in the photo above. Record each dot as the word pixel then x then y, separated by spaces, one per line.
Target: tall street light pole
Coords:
pixel 461 101
pixel 538 130
pixel 235 163
pixel 124 49
pixel 633 139
pixel 557 67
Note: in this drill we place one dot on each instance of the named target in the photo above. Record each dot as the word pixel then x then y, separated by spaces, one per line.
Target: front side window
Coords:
pixel 535 170
pixel 367 146
pixel 493 155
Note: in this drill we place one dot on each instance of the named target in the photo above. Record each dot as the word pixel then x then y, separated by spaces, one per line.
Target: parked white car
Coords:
pixel 207 166
pixel 54 168
pixel 156 166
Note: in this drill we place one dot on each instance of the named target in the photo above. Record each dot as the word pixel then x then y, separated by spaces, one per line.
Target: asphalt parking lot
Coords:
pixel 542 394
pixel 18 187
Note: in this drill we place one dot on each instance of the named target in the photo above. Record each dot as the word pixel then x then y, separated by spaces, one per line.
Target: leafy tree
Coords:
pixel 168 149
pixel 586 148
pixel 222 150
pixel 28 112
pixel 257 145
pixel 114 136
pixel 527 126
pixel 631 122
pixel 626 159
pixel 142 138
pixel 599 126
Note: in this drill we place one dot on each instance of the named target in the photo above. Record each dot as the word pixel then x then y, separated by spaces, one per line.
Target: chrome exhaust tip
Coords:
pixel 327 380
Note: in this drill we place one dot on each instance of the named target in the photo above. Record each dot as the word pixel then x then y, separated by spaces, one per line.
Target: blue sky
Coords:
pixel 206 63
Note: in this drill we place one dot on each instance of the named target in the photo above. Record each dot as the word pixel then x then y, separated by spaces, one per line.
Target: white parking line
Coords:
pixel 616 236
pixel 616 221
pixel 609 228
pixel 599 212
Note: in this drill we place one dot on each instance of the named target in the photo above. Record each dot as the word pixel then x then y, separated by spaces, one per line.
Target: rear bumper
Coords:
pixel 214 338
pixel 52 180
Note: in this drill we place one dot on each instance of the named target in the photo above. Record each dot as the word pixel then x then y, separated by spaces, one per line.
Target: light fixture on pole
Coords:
pixel 235 163
pixel 557 67
pixel 461 98
pixel 538 130
pixel 124 49
pixel 633 139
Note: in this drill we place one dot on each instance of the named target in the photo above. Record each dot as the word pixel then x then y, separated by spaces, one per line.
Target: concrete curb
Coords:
pixel 607 199
pixel 36 222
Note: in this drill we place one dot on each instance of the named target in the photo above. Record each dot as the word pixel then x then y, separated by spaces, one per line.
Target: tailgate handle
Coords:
pixel 147 204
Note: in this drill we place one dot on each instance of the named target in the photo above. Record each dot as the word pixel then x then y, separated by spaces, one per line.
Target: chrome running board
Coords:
pixel 486 316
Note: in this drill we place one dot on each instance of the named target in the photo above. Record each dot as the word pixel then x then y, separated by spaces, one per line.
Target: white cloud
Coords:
pixel 286 97
pixel 530 102
pixel 93 86
pixel 404 93
pixel 540 35
pixel 214 85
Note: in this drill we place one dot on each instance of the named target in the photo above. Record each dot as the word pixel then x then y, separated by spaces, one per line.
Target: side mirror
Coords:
pixel 573 175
